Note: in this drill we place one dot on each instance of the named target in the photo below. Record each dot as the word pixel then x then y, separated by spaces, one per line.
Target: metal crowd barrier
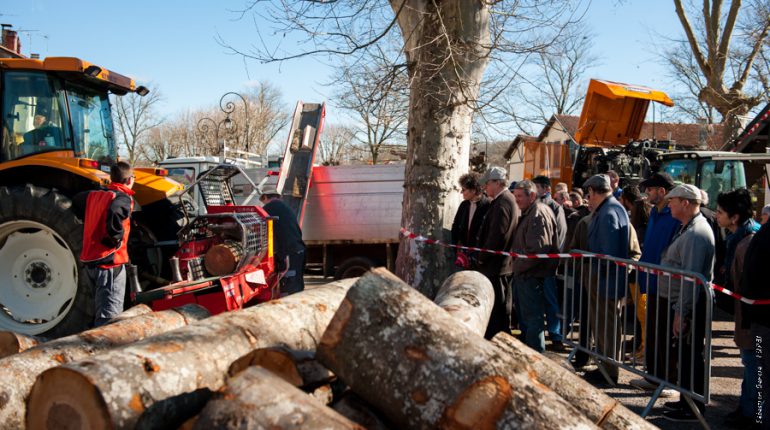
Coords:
pixel 598 325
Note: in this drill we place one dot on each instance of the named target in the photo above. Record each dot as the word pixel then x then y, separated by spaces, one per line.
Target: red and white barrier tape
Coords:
pixel 721 289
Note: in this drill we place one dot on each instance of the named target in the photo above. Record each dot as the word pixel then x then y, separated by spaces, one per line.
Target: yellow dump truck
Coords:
pixel 57 140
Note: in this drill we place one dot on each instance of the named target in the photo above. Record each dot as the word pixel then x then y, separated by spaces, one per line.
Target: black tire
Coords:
pixel 52 209
pixel 353 267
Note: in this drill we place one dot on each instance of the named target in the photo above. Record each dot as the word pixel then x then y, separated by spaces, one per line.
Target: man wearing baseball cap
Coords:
pixel 692 249
pixel 496 233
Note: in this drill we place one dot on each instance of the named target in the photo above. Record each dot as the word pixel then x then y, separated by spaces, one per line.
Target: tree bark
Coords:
pixel 357 410
pixel 468 297
pixel 298 368
pixel 423 369
pixel 600 408
pixel 13 343
pixel 131 312
pixel 162 381
pixel 446 45
pixel 18 373
pixel 257 398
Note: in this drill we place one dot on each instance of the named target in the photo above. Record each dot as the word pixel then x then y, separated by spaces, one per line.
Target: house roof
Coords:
pixel 521 138
pixel 687 135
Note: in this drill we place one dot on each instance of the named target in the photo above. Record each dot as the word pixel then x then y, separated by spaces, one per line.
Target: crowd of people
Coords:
pixel 656 222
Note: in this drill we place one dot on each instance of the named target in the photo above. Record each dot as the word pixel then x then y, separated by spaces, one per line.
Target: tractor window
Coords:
pixel 91 124
pixel 682 171
pixel 33 115
pixel 721 176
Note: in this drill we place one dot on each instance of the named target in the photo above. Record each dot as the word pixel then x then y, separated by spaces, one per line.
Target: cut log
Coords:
pixel 468 296
pixel 14 343
pixel 156 380
pixel 18 372
pixel 423 369
pixel 257 398
pixel 131 312
pixel 298 368
pixel 600 408
pixel 357 410
pixel 222 259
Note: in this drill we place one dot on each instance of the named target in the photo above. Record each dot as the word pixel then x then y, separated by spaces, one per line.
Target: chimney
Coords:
pixel 34 56
pixel 11 39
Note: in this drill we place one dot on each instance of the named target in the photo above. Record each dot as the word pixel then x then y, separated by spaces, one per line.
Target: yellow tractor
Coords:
pixel 57 140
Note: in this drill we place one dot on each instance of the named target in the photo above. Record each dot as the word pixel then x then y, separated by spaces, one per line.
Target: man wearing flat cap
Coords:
pixel 692 249
pixel 496 233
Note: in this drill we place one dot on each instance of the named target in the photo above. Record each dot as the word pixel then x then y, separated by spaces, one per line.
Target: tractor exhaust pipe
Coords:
pixel 175 272
pixel 133 280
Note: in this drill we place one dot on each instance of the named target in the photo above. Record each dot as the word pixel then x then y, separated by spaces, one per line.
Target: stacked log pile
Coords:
pixel 369 353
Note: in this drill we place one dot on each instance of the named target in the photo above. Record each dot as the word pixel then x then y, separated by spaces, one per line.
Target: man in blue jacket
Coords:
pixel 607 234
pixel 661 228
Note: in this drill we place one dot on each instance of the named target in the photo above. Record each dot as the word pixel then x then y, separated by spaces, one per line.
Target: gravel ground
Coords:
pixel 726 377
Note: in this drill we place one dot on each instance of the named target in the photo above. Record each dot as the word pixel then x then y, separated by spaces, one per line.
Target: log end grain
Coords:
pixel 14 343
pixel 222 259
pixel 51 404
pixel 480 405
pixel 276 360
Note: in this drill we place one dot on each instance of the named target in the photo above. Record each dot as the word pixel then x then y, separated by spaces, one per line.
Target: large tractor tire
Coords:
pixel 43 287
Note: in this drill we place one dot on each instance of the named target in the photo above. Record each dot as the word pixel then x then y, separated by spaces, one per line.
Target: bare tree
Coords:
pixel 446 47
pixel 268 115
pixel 335 144
pixel 135 116
pixel 725 62
pixel 377 94
pixel 554 82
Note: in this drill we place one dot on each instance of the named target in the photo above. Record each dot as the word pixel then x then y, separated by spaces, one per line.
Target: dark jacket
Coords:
pixel 559 217
pixel 742 337
pixel 754 283
pixel 572 221
pixel 461 234
pixel 536 234
pixel 661 228
pixel 496 233
pixel 287 236
pixel 608 234
pixel 719 243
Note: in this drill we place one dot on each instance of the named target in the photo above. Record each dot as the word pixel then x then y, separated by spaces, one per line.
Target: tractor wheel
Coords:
pixel 43 287
pixel 353 268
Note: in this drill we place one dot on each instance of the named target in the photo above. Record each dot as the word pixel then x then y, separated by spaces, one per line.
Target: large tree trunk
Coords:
pixel 162 381
pixel 131 312
pixel 14 343
pixel 18 372
pixel 423 369
pixel 600 408
pixel 446 47
pixel 468 296
pixel 257 398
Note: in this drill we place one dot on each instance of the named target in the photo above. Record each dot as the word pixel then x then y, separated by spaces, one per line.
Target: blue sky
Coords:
pixel 172 43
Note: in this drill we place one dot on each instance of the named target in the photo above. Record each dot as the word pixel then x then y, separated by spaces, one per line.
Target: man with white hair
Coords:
pixel 692 249
pixel 496 233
